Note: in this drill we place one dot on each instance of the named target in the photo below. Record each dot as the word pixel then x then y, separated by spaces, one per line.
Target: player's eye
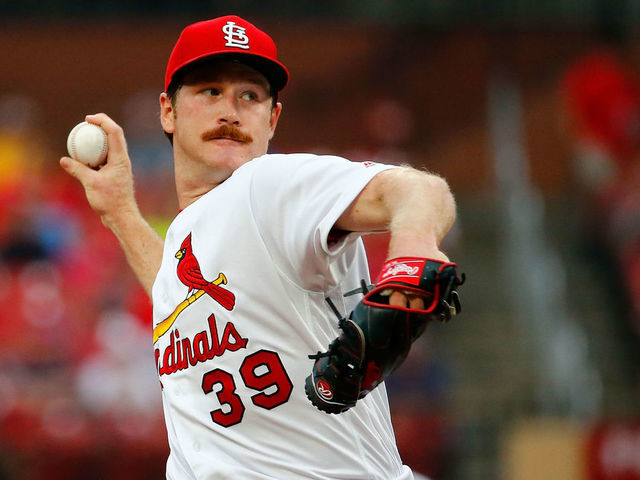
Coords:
pixel 250 96
pixel 212 92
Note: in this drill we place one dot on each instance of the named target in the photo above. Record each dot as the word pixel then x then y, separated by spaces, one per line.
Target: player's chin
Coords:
pixel 231 150
pixel 234 153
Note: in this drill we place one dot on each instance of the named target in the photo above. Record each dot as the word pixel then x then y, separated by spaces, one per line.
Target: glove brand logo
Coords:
pixel 324 390
pixel 399 269
pixel 235 36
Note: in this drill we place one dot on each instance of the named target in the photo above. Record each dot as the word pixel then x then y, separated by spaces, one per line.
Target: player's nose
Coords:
pixel 229 112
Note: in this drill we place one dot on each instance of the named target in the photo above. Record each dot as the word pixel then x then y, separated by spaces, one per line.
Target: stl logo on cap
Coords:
pixel 235 36
pixel 228 35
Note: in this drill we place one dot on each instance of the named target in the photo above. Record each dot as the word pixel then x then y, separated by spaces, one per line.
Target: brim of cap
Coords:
pixel 275 72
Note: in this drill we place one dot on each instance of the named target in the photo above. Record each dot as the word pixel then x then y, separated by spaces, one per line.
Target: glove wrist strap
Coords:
pixel 406 270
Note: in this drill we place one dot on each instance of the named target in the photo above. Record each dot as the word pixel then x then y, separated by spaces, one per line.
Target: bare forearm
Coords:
pixel 141 244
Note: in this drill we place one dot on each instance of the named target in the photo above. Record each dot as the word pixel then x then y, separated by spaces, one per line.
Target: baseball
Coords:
pixel 87 143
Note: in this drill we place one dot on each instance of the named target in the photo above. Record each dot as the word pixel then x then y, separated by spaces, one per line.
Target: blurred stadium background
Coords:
pixel 531 110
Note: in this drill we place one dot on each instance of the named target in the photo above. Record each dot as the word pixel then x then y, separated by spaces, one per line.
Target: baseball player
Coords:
pixel 256 276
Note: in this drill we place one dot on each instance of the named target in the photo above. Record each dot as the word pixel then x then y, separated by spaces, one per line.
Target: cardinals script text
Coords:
pixel 205 345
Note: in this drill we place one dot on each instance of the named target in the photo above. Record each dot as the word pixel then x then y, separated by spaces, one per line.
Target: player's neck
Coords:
pixel 195 178
pixel 190 188
pixel 186 198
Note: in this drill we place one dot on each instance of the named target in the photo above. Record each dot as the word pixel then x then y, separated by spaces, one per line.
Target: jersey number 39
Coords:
pixel 261 371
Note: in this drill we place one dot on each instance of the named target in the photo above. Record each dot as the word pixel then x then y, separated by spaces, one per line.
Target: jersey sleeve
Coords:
pixel 296 200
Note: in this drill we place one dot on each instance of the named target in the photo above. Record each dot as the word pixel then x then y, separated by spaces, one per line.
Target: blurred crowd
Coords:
pixel 601 99
pixel 78 387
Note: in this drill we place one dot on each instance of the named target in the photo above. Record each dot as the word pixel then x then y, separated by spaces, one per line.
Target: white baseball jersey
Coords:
pixel 239 304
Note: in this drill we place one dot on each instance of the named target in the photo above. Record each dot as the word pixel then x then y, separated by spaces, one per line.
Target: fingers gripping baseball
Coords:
pixel 109 188
pixel 78 170
pixel 117 143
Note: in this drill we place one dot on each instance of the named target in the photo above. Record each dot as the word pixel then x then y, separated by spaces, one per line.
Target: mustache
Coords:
pixel 227 131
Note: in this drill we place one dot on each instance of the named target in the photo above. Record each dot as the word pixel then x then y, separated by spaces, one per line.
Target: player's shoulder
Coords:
pixel 288 163
pixel 291 169
pixel 297 158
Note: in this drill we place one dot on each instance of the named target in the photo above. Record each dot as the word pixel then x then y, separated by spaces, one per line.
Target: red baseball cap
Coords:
pixel 229 36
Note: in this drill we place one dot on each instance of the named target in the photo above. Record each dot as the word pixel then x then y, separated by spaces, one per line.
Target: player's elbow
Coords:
pixel 445 196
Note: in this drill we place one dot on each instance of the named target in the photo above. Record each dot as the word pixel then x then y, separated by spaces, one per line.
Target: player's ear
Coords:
pixel 273 120
pixel 167 113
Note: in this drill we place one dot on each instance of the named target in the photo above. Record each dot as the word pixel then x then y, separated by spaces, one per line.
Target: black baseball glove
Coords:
pixel 376 337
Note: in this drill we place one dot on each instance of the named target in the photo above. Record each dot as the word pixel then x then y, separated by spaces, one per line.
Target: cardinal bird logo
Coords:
pixel 190 274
